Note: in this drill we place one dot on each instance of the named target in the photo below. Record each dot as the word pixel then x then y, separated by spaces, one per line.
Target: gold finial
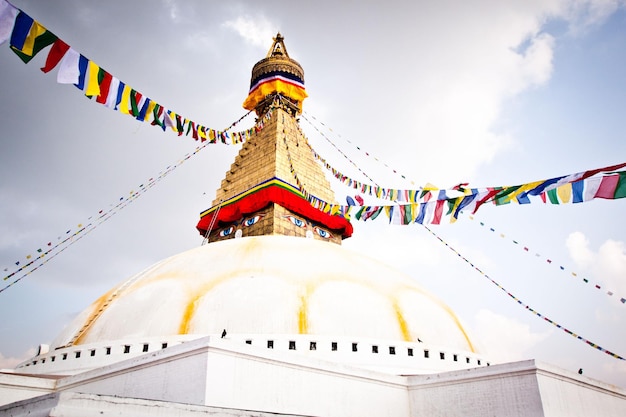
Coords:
pixel 278 47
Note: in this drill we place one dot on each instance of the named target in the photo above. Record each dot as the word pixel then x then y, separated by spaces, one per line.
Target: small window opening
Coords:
pixel 292 345
pixel 409 351
pixel 426 354
pixel 64 357
pixel 107 350
pixel 313 346
pixel 43 360
pixel 467 360
pixel 145 347
pixel 479 361
pixel 126 348
pixel 270 344
pixel 392 350
pixel 354 347
pixel 78 354
pixel 442 355
pixel 163 345
pixel 92 352
pixel 52 358
pixel 34 362
pixel 248 342
pixel 333 346
pixel 374 349
pixel 455 357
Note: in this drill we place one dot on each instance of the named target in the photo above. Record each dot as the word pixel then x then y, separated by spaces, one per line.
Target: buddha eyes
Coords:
pixel 227 232
pixel 251 220
pixel 322 233
pixel 296 221
pixel 302 223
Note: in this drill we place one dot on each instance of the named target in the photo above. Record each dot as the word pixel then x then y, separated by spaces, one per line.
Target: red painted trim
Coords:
pixel 274 194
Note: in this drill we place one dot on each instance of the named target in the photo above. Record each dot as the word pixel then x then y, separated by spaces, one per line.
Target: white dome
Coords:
pixel 269 285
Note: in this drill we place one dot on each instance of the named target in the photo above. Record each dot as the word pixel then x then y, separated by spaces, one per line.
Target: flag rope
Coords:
pixel 521 303
pixel 102 216
pixel 548 260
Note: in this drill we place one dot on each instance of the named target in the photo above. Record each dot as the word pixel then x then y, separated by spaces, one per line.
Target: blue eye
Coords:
pixel 298 222
pixel 251 221
pixel 323 233
pixel 227 232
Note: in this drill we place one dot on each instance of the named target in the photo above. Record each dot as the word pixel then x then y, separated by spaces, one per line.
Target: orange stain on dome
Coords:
pixel 98 307
pixel 404 327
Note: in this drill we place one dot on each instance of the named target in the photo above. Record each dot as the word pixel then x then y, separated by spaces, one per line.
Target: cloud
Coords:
pixel 255 31
pixel 607 265
pixel 172 7
pixel 585 14
pixel 10 363
pixel 505 339
pixel 578 246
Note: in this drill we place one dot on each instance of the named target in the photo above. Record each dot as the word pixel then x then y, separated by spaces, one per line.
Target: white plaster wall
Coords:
pixel 312 388
pixel 502 395
pixel 570 396
pixel 180 380
pixel 523 388
pixel 223 374
pixel 17 387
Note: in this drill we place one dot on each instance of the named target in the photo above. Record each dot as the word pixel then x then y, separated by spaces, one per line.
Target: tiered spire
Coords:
pixel 262 193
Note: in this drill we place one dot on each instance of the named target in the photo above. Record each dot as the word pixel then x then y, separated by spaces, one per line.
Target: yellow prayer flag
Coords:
pixel 125 101
pixel 565 192
pixel 36 30
pixel 92 85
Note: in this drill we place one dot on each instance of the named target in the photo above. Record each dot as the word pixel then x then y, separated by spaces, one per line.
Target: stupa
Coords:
pixel 272 316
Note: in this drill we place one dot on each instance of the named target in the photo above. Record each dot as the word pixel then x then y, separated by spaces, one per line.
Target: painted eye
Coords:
pixel 251 220
pixel 298 222
pixel 323 233
pixel 227 232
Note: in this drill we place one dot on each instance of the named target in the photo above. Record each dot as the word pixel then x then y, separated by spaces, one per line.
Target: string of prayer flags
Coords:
pixel 521 303
pixel 605 183
pixel 28 37
pixel 96 220
pixel 435 205
pixel 548 261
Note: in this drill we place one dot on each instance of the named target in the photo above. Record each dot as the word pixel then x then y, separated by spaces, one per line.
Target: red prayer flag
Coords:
pixel 105 85
pixel 607 187
pixel 56 53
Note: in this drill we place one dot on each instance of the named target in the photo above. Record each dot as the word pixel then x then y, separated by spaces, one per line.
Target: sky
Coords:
pixel 487 92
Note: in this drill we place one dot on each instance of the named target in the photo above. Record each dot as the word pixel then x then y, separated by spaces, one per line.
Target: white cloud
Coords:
pixel 255 31
pixel 578 246
pixel 505 339
pixel 607 265
pixel 10 363
pixel 172 7
pixel 583 14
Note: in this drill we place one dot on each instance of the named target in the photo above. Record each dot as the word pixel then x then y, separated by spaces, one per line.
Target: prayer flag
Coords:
pixel 105 85
pixel 83 63
pixel 56 53
pixel 38 37
pixel 8 14
pixel 68 70
pixel 21 28
pixel 92 84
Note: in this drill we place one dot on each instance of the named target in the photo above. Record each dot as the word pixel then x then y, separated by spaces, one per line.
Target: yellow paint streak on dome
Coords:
pixel 404 328
pixel 196 295
pixel 188 314
pixel 97 307
pixel 303 322
pixel 303 318
pixel 459 325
